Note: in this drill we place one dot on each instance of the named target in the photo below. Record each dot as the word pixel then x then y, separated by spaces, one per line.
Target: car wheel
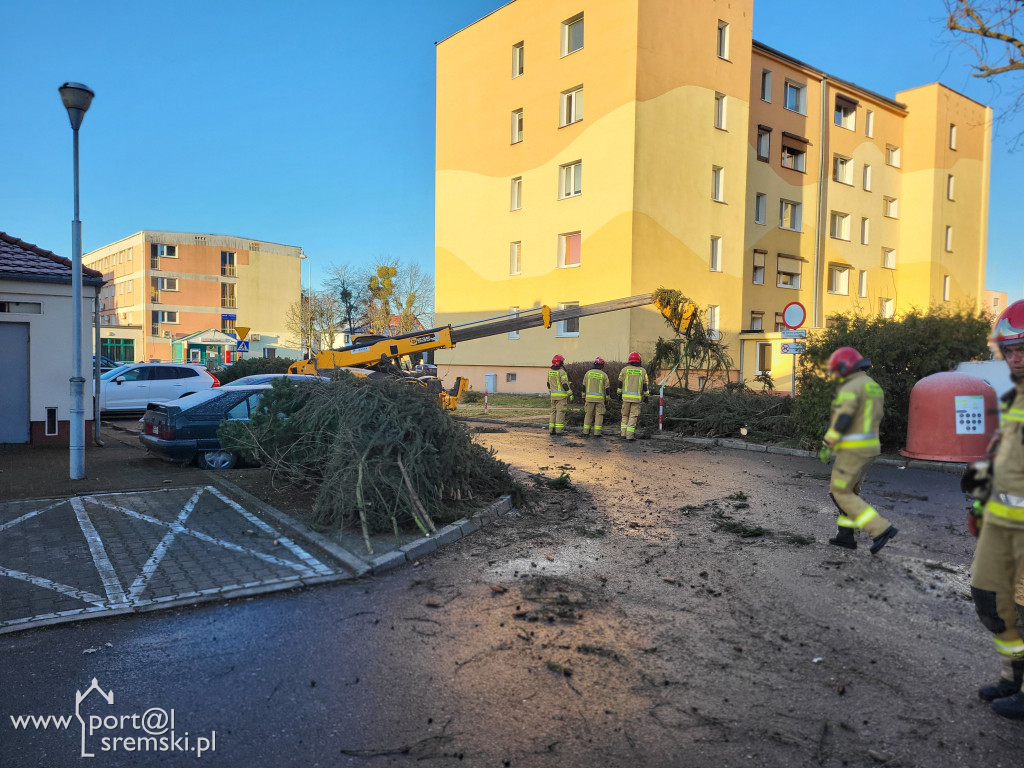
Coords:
pixel 217 460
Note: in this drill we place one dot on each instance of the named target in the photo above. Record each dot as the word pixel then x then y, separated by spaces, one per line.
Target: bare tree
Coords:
pixel 348 284
pixel 313 321
pixel 989 28
pixel 400 298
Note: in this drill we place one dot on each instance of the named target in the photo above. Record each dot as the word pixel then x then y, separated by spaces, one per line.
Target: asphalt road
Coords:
pixel 678 607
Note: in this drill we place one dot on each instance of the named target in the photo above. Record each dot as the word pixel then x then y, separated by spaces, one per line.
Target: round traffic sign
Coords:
pixel 793 315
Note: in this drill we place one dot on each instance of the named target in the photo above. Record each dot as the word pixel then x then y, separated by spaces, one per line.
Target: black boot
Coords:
pixel 1004 687
pixel 1010 706
pixel 844 539
pixel 882 539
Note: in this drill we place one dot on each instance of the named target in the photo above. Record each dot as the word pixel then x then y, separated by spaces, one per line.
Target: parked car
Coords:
pixel 268 378
pixel 106 364
pixel 185 430
pixel 132 387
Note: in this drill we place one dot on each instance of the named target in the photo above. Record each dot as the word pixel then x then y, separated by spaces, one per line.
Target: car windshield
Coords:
pixel 114 372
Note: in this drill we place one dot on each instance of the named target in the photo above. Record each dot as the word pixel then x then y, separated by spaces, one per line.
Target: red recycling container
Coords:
pixel 952 417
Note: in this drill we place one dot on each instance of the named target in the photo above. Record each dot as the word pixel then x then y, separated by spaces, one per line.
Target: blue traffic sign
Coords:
pixel 241 346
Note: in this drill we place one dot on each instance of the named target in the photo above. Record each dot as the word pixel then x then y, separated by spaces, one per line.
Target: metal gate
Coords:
pixel 14 427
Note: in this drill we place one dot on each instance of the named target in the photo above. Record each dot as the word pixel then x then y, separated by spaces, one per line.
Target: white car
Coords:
pixel 132 387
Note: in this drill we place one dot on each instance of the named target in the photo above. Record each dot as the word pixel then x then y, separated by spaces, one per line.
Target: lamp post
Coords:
pixel 77 98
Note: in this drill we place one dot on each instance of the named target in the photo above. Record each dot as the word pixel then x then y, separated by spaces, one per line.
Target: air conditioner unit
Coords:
pixel 254 337
pixel 167 334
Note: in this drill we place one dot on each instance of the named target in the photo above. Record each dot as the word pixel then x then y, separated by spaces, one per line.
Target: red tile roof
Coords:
pixel 24 261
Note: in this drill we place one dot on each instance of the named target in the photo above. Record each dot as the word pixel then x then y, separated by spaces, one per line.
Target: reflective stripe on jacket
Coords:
pixel 633 383
pixel 1006 505
pixel 597 384
pixel 860 398
pixel 558 383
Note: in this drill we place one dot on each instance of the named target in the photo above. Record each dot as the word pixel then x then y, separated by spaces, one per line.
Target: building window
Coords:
pixel 572 34
pixel 795 97
pixel 839 226
pixel 157 317
pixel 766 85
pixel 227 295
pixel 891 207
pixel 227 324
pixel 118 350
pixel 758 275
pixel 885 307
pixel 839 280
pixel 889 258
pixel 569 249
pixel 714 331
pixel 510 378
pixel 764 356
pixel 756 321
pixel 227 263
pixel 723 39
pixel 945 287
pixel 270 352
pixel 720 111
pixel 166 283
pixel 717 183
pixel 842 169
pixel 846 113
pixel 794 157
pixel 514 264
pixel 867 178
pixel 158 251
pixel 949 187
pixel 517 126
pixel 517 193
pixel 788 272
pixel 715 260
pixel 517 59
pixel 572 106
pixel 869 124
pixel 514 313
pixel 865 230
pixel 571 326
pixel 952 136
pixel 570 179
pixel 862 284
pixel 790 214
pixel 892 155
pixel 949 239
pixel 760 208
pixel 780 324
pixel 764 143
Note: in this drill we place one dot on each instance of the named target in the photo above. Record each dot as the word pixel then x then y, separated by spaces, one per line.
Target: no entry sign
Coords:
pixel 794 314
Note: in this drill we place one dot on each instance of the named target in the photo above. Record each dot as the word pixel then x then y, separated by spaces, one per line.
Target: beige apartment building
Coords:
pixel 183 296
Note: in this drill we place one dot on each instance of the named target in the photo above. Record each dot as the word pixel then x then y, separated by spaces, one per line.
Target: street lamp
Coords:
pixel 77 98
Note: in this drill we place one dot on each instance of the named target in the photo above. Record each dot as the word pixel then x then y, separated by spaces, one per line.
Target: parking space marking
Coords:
pixel 139 585
pixel 56 586
pixel 111 584
pixel 28 516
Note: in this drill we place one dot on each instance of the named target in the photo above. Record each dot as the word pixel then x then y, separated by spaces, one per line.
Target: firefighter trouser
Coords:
pixel 593 415
pixel 996 575
pixel 556 422
pixel 848 475
pixel 630 413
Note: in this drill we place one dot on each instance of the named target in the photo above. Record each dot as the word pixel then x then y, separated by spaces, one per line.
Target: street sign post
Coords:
pixel 793 316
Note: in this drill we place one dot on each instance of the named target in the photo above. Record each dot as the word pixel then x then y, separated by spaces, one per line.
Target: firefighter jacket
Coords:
pixel 634 384
pixel 856 413
pixel 558 383
pixel 596 385
pixel 1005 506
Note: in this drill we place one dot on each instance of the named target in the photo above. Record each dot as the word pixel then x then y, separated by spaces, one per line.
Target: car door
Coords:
pixel 129 391
pixel 169 384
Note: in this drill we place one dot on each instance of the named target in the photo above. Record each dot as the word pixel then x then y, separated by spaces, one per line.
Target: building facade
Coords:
pixel 181 296
pixel 994 302
pixel 590 150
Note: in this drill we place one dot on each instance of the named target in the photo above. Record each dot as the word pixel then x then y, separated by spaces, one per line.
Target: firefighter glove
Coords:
pixel 825 454
pixel 976 480
pixel 974 519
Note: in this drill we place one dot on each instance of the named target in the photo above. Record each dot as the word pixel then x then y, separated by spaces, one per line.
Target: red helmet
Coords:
pixel 847 360
pixel 557 360
pixel 1009 328
pixel 634 357
pixel 598 361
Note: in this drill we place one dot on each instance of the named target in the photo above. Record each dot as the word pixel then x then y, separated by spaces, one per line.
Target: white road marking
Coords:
pixel 139 585
pixel 33 513
pixel 115 593
pixel 56 586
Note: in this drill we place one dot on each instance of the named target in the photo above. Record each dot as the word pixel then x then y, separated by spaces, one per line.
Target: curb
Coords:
pixel 450 533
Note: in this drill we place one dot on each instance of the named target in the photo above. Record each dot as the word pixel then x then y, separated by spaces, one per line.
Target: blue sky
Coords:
pixel 312 123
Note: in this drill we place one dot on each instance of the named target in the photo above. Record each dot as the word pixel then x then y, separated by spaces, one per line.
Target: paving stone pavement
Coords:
pixel 110 553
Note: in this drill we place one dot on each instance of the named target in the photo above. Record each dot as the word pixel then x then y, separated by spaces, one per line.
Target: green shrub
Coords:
pixel 903 351
pixel 249 366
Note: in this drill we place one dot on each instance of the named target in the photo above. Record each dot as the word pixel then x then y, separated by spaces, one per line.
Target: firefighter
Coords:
pixel 853 437
pixel 998 487
pixel 634 389
pixel 595 386
pixel 558 388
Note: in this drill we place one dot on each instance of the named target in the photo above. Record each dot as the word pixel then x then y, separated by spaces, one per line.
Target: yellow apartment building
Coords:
pixel 179 296
pixel 589 150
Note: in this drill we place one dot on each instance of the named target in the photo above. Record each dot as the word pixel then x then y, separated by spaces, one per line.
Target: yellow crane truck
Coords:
pixel 382 355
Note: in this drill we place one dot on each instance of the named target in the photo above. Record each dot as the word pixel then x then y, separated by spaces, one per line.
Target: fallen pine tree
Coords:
pixel 379 452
